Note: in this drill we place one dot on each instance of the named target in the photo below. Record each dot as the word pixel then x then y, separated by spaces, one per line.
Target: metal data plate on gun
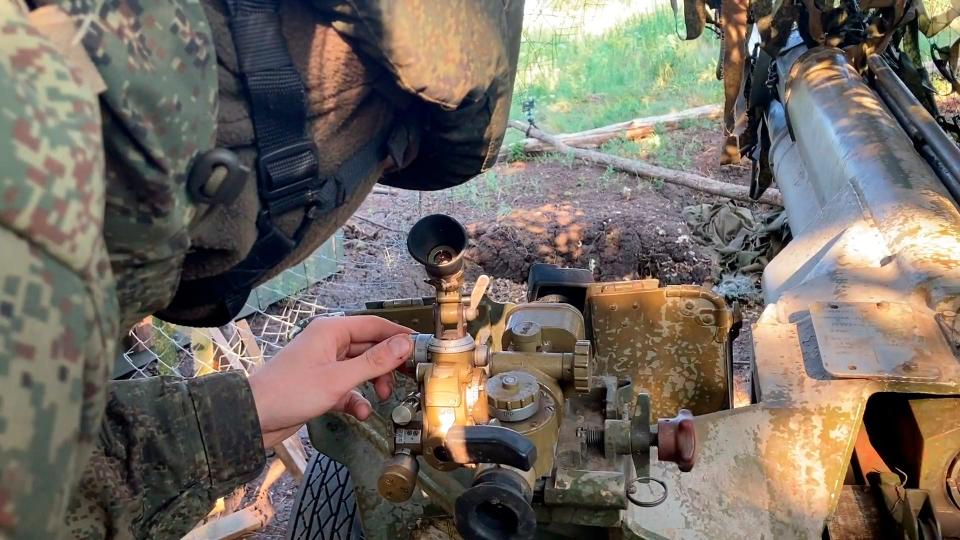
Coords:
pixel 883 340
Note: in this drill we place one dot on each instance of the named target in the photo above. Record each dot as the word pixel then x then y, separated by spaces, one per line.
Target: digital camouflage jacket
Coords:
pixel 95 224
pixel 158 452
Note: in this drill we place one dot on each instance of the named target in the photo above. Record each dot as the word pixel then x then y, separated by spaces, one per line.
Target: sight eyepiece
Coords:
pixel 437 242
pixel 497 507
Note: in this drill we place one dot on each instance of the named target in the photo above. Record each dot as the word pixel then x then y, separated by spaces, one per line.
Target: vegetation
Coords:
pixel 639 67
pixel 488 191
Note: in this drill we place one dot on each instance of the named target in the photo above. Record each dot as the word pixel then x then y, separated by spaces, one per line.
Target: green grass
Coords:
pixel 638 68
pixel 659 148
pixel 165 348
pixel 489 191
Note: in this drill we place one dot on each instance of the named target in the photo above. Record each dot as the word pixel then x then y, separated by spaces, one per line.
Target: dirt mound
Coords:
pixel 614 244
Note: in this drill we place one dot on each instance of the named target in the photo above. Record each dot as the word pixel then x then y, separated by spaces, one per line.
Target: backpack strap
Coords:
pixel 229 291
pixel 287 166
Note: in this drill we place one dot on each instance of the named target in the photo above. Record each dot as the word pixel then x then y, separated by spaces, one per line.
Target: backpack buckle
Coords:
pixel 288 170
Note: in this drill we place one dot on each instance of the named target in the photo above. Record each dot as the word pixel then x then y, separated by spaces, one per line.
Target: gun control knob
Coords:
pixel 398 478
pixel 476 296
pixel 488 444
pixel 581 366
pixel 406 410
pixel 677 440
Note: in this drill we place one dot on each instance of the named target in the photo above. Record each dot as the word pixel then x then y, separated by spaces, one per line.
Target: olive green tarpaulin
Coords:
pixel 740 243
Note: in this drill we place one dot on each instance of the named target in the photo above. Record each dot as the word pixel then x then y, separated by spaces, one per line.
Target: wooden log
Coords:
pixel 226 348
pixel 636 129
pixel 141 336
pixel 251 348
pixel 245 521
pixel 641 168
pixel 376 223
pixel 293 455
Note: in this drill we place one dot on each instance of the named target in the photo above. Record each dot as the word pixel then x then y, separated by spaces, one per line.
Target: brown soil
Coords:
pixel 544 210
pixel 614 246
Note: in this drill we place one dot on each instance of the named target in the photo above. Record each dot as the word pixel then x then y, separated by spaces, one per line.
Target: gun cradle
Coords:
pixel 518 404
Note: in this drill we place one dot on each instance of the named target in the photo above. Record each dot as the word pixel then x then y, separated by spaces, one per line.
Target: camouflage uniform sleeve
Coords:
pixel 58 310
pixel 168 449
pixel 151 465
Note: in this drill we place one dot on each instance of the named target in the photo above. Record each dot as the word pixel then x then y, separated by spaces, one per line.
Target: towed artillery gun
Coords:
pixel 853 430
pixel 519 420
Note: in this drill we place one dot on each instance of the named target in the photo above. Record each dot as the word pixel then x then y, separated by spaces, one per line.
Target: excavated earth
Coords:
pixel 613 244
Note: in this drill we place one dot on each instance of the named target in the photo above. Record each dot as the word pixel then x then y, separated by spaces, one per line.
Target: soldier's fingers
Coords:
pixel 307 368
pixel 378 360
pixel 354 404
pixel 358 329
pixel 356 349
pixel 383 385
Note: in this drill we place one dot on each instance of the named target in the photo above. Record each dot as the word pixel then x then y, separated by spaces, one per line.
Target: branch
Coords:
pixel 634 130
pixel 385 190
pixel 693 181
pixel 376 223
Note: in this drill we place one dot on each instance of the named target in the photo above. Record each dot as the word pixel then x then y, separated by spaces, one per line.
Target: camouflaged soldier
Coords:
pixel 165 156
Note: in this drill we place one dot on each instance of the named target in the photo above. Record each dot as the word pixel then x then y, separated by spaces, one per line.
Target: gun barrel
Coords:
pixel 841 158
pixel 936 147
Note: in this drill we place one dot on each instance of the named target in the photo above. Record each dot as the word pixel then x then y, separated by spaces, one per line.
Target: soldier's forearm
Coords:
pixel 168 448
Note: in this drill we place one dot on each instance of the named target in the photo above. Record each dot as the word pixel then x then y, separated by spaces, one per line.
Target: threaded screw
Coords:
pixel 593 437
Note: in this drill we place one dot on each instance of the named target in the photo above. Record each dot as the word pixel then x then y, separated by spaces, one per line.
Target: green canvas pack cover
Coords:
pixel 160 109
pixel 459 56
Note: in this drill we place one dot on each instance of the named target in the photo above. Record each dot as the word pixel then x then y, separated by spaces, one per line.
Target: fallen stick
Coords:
pixel 376 223
pixel 385 190
pixel 693 181
pixel 636 129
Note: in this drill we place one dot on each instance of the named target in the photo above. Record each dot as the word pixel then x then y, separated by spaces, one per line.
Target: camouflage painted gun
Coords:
pixel 537 417
pixel 855 432
pixel 854 426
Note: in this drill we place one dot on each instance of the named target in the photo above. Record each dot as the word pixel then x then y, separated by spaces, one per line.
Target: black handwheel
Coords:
pixel 325 508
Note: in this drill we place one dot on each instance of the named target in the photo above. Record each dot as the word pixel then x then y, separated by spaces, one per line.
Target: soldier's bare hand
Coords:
pixel 321 368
